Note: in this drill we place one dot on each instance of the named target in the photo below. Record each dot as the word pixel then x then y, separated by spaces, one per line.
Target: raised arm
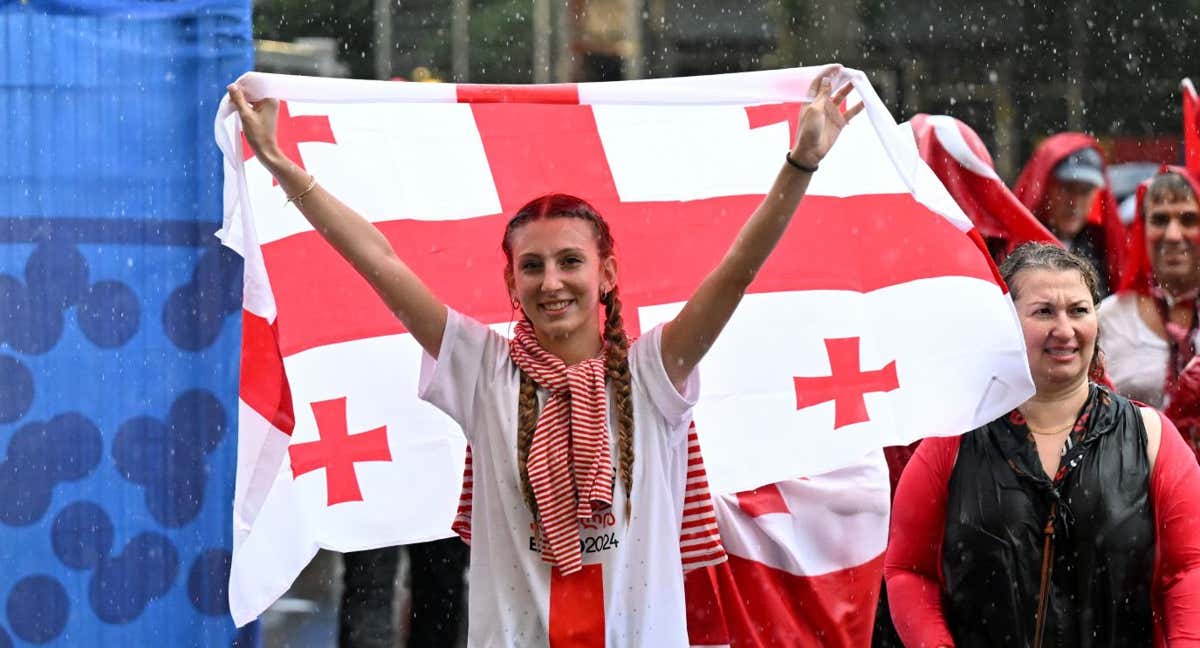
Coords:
pixel 354 237
pixel 688 337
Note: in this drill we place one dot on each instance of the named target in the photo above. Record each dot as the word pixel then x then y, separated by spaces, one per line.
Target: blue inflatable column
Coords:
pixel 119 323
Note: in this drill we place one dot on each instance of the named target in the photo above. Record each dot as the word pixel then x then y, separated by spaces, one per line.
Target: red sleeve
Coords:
pixel 1175 493
pixel 912 567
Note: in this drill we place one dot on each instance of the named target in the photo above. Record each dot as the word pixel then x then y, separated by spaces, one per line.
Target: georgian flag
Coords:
pixel 878 319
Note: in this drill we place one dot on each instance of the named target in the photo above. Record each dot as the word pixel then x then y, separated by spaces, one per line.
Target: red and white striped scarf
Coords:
pixel 570 460
pixel 700 541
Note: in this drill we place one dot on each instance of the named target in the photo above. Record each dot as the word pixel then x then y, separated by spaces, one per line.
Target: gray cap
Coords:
pixel 1083 165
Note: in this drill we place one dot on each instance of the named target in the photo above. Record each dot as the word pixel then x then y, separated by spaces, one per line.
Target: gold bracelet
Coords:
pixel 298 197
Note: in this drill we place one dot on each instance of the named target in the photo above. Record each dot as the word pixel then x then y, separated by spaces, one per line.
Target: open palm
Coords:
pixel 822 120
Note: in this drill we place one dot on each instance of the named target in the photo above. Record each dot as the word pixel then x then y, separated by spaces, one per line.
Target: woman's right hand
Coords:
pixel 258 124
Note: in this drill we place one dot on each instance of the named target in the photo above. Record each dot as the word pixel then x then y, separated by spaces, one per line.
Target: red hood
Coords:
pixel 1137 275
pixel 961 161
pixel 1035 181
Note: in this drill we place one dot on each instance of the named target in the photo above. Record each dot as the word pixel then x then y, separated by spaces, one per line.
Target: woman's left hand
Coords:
pixel 822 120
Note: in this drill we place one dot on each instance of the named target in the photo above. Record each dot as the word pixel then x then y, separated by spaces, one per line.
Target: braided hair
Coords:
pixel 616 354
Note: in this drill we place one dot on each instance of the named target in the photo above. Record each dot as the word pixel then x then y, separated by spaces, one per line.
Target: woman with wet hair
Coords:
pixel 569 522
pixel 1073 520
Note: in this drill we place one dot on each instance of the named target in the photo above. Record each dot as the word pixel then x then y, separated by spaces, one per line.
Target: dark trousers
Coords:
pixel 438 605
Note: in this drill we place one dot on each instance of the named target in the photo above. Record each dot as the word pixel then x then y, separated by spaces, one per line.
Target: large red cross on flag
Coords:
pixel 878 252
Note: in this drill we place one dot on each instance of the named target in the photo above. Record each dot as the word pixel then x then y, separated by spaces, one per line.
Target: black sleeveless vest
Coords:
pixel 1101 547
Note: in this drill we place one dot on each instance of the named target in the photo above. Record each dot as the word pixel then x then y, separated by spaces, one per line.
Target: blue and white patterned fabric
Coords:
pixel 119 323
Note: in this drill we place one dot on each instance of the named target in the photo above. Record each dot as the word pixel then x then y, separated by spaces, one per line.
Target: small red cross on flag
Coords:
pixel 338 451
pixel 846 385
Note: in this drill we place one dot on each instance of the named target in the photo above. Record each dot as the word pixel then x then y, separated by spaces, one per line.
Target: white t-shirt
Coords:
pixel 1136 357
pixel 513 601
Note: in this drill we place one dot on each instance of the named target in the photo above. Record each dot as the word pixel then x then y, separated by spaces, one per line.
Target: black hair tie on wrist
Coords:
pixel 807 169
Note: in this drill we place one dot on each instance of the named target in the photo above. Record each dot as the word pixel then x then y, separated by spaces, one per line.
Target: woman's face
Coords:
pixel 558 275
pixel 1173 241
pixel 1059 320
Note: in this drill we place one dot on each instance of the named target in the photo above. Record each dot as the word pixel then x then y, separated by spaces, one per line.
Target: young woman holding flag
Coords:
pixel 559 553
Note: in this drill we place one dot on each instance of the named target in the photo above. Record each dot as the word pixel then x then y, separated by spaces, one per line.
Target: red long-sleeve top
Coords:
pixel 913 567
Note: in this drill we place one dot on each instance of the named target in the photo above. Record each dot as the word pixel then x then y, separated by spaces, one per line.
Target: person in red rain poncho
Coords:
pixel 1065 185
pixel 1150 324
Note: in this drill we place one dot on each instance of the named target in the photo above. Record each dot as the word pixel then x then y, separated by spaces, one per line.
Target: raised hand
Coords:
pixel 695 328
pixel 258 124
pixel 354 237
pixel 822 120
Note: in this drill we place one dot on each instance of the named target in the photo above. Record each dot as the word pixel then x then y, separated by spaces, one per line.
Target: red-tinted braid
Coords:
pixel 616 362
pixel 527 415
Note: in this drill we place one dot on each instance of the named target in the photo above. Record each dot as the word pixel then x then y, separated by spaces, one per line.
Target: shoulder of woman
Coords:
pixel 1152 421
pixel 940 453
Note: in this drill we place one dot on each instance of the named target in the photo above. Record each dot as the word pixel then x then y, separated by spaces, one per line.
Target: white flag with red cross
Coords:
pixel 878 319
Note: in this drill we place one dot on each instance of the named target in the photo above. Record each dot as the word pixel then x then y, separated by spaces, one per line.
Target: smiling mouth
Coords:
pixel 555 306
pixel 1061 353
